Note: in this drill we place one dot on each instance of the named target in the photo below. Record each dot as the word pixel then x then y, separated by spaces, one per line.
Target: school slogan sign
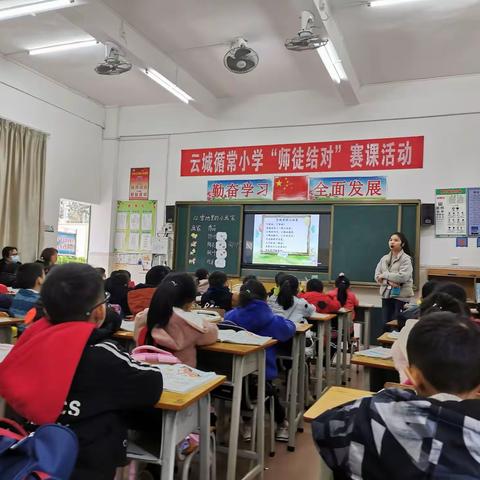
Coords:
pixel 352 155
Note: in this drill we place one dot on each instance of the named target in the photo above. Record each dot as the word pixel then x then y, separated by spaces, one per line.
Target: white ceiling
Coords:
pixel 422 39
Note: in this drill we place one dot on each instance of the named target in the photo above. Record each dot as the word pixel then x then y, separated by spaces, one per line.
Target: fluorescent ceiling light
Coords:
pixel 388 3
pixel 167 84
pixel 332 62
pixel 62 47
pixel 33 8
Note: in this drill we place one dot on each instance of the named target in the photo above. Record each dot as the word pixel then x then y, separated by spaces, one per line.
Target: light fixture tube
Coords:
pixel 33 8
pixel 167 84
pixel 332 62
pixel 63 47
pixel 388 3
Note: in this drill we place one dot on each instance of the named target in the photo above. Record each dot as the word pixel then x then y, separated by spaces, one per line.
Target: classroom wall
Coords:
pixel 74 125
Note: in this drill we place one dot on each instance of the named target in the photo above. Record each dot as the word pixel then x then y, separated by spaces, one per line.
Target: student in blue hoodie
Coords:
pixel 254 314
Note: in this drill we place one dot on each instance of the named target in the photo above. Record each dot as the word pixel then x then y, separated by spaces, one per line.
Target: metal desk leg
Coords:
pixel 204 417
pixel 328 331
pixel 366 329
pixel 292 406
pixel 238 362
pixel 261 356
pixel 319 366
pixel 301 381
pixel 169 434
pixel 345 342
pixel 338 367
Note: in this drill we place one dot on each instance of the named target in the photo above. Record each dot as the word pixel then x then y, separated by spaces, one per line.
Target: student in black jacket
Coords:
pixel 218 294
pixel 63 369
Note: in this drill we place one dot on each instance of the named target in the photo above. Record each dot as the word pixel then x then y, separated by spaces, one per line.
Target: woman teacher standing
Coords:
pixel 394 274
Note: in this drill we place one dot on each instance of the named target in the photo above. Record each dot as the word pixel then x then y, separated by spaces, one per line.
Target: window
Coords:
pixel 73 231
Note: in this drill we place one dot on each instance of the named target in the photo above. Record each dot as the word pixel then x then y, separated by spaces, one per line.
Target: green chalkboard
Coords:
pixel 360 235
pixel 212 240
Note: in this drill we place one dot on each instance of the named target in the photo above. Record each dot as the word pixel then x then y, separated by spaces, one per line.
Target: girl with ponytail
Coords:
pixel 288 304
pixel 446 297
pixel 343 294
pixel 170 324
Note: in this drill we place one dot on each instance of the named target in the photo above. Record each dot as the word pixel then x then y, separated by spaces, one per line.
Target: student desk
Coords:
pixel 244 359
pixel 333 397
pixel 393 324
pixel 6 324
pixel 372 363
pixel 183 413
pixel 296 405
pixel 386 340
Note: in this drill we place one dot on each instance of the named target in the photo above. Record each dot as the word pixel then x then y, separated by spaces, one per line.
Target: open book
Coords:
pixel 4 350
pixel 242 337
pixel 181 378
pixel 393 335
pixel 376 352
pixel 208 315
pixel 127 325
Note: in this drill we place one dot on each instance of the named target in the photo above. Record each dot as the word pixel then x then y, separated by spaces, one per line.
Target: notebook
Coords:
pixel 129 326
pixel 376 352
pixel 181 378
pixel 242 337
pixel 393 335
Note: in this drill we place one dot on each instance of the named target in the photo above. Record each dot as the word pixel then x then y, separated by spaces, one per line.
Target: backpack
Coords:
pixel 48 453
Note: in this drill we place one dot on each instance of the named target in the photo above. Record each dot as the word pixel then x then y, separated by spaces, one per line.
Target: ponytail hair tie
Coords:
pixel 175 284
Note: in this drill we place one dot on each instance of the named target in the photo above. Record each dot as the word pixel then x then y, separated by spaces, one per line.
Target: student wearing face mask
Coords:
pixel 394 274
pixel 9 263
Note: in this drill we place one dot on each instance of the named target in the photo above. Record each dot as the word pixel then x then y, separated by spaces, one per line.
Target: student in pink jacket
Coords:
pixel 169 324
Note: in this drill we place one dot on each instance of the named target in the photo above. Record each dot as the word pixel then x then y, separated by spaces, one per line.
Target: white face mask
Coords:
pixel 15 258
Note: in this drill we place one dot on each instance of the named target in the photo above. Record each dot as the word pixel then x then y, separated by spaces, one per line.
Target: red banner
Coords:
pixel 351 155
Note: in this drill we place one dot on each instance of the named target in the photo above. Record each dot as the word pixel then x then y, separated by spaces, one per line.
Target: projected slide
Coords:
pixel 286 239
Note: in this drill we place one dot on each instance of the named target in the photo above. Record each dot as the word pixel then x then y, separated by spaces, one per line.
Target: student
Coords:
pixel 169 324
pixel 314 295
pixel 343 294
pixel 62 370
pixel 287 303
pixel 117 286
pixel 201 277
pixel 413 311
pixel 48 258
pixel 139 298
pixel 9 264
pixel 30 277
pixel 218 294
pixel 246 278
pixel 102 272
pixel 448 297
pixel 255 315
pixel 274 291
pixel 398 434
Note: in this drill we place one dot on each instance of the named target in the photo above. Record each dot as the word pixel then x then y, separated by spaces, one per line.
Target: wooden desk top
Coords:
pixel 303 327
pixel 383 363
pixel 10 322
pixel 123 335
pixel 334 397
pixel 393 323
pixel 322 317
pixel 385 339
pixel 236 348
pixel 366 305
pixel 179 401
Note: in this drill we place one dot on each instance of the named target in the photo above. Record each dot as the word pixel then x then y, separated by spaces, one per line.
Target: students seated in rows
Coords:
pixel 314 295
pixel 255 315
pixel 447 297
pixel 397 434
pixel 48 258
pixel 201 278
pixel 343 294
pixel 287 304
pixel 9 264
pixel 30 277
pixel 218 294
pixel 139 298
pixel 62 370
pixel 170 324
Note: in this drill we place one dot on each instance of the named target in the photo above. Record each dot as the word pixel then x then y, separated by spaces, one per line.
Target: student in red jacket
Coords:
pixel 323 303
pixel 343 294
pixel 63 369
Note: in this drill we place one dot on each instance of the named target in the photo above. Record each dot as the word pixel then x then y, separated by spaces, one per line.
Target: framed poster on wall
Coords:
pixel 451 212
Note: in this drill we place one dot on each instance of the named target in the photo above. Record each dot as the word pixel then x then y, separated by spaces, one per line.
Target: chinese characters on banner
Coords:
pixel 139 180
pixel 352 155
pixel 66 243
pixel 347 187
pixel 229 190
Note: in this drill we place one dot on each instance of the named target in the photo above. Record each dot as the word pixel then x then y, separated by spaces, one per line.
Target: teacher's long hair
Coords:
pixel 404 240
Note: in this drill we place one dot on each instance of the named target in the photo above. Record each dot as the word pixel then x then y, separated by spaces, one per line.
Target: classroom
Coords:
pixel 232 231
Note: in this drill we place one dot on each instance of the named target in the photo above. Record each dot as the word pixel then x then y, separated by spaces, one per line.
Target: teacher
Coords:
pixel 394 274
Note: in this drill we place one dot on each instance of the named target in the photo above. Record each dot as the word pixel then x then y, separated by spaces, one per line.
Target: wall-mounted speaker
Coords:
pixel 170 214
pixel 427 214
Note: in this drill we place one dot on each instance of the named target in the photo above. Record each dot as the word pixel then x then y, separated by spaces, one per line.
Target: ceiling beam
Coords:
pixel 348 89
pixel 104 24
